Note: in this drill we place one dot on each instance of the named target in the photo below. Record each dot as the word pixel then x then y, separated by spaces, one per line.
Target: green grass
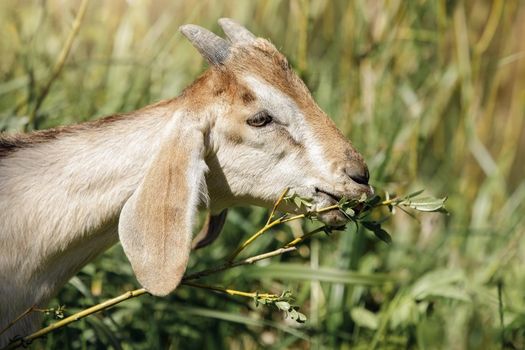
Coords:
pixel 431 92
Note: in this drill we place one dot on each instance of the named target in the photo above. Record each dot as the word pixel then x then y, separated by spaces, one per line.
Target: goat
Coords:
pixel 240 134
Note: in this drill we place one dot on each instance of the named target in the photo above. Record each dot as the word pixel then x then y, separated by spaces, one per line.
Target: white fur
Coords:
pixel 284 108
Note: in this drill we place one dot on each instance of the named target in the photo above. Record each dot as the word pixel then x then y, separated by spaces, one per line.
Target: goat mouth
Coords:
pixel 330 195
pixel 333 217
pixel 333 199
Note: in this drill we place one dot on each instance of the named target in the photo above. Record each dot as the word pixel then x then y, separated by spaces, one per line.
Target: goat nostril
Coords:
pixel 361 178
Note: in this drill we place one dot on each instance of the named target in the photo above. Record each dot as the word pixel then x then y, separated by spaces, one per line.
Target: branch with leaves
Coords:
pixel 357 211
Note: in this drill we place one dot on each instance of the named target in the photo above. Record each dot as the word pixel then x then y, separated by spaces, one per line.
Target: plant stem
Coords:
pixel 76 317
pixel 301 239
pixel 279 200
pixel 269 224
pixel 253 238
pixel 22 315
pixel 230 265
pixel 233 291
pixel 59 64
pixel 276 222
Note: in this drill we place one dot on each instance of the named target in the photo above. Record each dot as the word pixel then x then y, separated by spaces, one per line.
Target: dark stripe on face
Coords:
pixel 247 97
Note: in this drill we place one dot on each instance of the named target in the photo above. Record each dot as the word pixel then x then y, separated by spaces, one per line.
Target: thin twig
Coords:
pixel 230 265
pixel 21 316
pixel 276 222
pixel 76 317
pixel 253 238
pixel 233 291
pixel 269 224
pixel 279 200
pixel 301 239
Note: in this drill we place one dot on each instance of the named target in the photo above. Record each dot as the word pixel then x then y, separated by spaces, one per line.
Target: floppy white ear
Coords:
pixel 155 226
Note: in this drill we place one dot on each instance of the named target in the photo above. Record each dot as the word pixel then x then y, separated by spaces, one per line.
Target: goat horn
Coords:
pixel 214 48
pixel 236 32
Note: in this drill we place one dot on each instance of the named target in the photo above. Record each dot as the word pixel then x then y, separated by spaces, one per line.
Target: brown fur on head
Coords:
pixel 250 76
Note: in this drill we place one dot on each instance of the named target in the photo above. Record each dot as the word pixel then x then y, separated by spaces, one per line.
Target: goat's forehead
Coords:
pixel 269 96
pixel 262 60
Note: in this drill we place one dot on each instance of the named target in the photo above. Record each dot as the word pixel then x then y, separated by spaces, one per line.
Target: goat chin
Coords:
pixel 333 218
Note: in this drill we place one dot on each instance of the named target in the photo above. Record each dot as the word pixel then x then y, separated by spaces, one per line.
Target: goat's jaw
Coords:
pixel 333 218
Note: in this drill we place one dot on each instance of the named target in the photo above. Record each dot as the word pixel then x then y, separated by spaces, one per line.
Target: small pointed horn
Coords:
pixel 214 48
pixel 236 32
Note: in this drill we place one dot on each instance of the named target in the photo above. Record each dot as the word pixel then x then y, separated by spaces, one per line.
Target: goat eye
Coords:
pixel 260 119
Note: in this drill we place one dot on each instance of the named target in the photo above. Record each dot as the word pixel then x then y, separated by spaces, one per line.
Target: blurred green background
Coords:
pixel 432 93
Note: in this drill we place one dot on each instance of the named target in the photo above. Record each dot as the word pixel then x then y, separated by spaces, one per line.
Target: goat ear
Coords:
pixel 210 230
pixel 155 226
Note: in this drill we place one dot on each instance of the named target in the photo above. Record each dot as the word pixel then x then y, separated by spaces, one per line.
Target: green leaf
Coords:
pixel 383 235
pixel 292 314
pixel 374 200
pixel 283 305
pixel 306 202
pixel 239 318
pixel 350 212
pixel 364 318
pixel 289 271
pixel 296 315
pixel 59 311
pixel 445 283
pixel 297 201
pixel 426 204
pixel 375 227
pixel 414 194
pixel 287 294
pixel 447 292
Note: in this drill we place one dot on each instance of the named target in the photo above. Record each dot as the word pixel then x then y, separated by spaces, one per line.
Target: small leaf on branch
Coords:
pixel 426 204
pixel 282 305
pixel 373 201
pixel 414 194
pixel 298 201
pixel 375 227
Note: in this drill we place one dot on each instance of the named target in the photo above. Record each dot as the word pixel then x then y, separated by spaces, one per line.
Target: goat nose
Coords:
pixel 358 174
